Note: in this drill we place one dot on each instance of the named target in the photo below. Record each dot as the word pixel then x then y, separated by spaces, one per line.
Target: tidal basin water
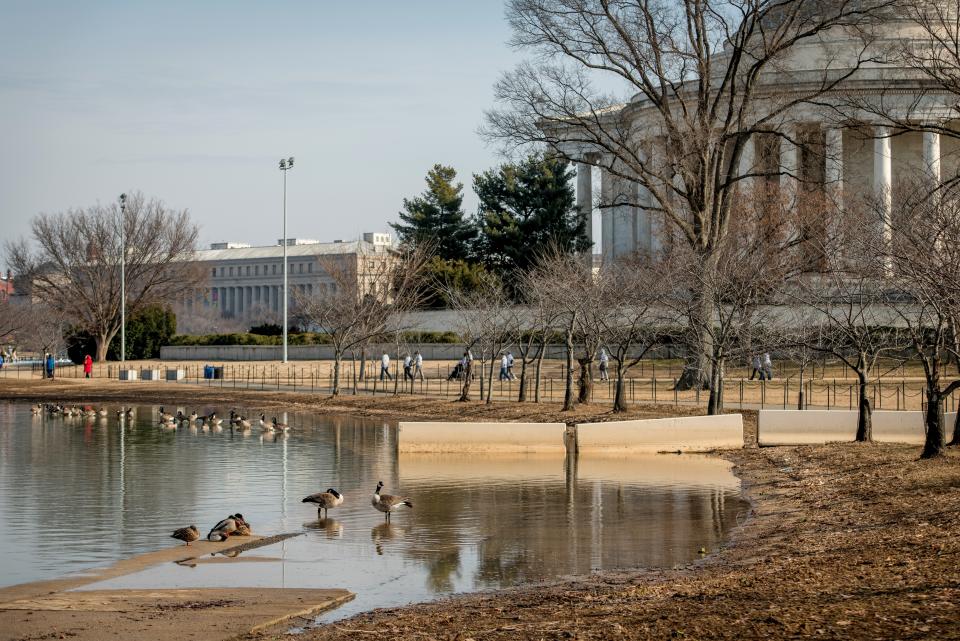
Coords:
pixel 80 493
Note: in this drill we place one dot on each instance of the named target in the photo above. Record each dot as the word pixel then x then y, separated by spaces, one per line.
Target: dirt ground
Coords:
pixel 844 542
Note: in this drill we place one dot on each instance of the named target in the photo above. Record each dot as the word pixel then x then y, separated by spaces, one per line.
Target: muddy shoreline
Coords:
pixel 843 541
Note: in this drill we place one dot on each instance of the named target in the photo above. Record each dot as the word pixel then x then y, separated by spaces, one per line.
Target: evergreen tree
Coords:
pixel 526 208
pixel 437 216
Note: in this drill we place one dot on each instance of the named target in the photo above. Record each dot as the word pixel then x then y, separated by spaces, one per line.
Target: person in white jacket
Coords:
pixel 385 367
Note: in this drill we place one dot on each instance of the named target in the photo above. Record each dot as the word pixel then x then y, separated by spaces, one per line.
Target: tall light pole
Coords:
pixel 123 279
pixel 286 164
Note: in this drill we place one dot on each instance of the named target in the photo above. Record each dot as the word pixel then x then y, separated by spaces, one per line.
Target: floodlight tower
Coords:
pixel 286 164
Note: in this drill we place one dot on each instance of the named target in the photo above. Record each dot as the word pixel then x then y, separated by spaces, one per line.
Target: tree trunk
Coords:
pixel 933 445
pixel 800 397
pixel 715 401
pixel 864 414
pixel 337 356
pixel 536 381
pixel 568 387
pixel 699 342
pixel 102 341
pixel 467 375
pixel 363 362
pixel 522 394
pixel 619 398
pixel 586 380
pixel 493 362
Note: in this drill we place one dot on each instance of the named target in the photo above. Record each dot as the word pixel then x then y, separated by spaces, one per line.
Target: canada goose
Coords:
pixel 263 420
pixel 102 412
pixel 36 409
pixel 186 534
pixel 180 417
pixel 265 425
pixel 165 417
pixel 280 426
pixel 325 500
pixel 211 419
pixel 193 417
pixel 90 413
pixel 239 421
pixel 388 503
pixel 222 530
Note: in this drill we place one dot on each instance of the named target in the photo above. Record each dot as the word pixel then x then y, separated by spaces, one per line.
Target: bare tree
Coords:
pixel 74 266
pixel 562 280
pixel 366 300
pixel 487 322
pixel 14 317
pixel 925 295
pixel 635 319
pixel 695 80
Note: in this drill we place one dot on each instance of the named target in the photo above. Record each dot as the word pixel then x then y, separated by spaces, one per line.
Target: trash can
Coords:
pixel 208 371
pixel 218 372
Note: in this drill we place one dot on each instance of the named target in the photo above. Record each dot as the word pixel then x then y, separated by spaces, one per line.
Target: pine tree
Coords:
pixel 526 208
pixel 437 216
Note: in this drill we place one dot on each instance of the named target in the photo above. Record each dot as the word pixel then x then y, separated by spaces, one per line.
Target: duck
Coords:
pixel 387 503
pixel 325 500
pixel 243 528
pixel 186 534
pixel 222 530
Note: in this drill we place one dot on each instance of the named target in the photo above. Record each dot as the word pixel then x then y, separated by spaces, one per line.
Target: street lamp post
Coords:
pixel 286 164
pixel 123 279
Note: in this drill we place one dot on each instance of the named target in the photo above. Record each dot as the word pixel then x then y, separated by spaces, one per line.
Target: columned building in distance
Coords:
pixel 246 282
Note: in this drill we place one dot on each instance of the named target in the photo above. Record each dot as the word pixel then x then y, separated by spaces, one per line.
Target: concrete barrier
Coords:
pixel 481 437
pixel 129 375
pixel 812 427
pixel 683 434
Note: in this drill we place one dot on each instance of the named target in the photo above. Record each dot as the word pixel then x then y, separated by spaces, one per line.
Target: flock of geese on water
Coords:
pixel 235 524
pixel 167 419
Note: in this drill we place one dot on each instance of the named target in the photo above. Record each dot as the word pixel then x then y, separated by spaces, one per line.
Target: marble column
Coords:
pixel 607 228
pixel 789 161
pixel 833 168
pixel 883 177
pixel 931 156
pixel 748 160
pixel 585 201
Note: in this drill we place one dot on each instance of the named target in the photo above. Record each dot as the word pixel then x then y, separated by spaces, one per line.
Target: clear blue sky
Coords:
pixel 195 102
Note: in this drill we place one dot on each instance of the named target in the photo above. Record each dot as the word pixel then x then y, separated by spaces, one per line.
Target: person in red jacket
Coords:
pixel 87 366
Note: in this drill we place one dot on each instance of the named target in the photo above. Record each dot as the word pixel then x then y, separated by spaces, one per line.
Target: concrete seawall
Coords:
pixel 482 437
pixel 686 434
pixel 681 434
pixel 810 427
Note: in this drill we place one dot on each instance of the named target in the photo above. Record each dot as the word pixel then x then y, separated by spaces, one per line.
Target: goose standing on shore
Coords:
pixel 388 503
pixel 325 501
pixel 186 534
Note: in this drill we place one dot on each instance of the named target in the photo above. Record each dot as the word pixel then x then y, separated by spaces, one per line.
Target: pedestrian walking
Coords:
pixel 49 364
pixel 604 365
pixel 2 360
pixel 407 368
pixel 757 370
pixel 87 366
pixel 418 364
pixel 768 366
pixel 510 366
pixel 385 367
pixel 504 373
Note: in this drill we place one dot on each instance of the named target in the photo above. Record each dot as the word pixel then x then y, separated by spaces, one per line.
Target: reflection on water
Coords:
pixel 76 493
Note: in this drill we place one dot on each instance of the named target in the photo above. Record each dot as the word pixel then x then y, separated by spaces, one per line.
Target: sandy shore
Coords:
pixel 843 542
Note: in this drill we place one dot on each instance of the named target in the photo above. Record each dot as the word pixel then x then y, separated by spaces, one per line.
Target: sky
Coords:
pixel 195 102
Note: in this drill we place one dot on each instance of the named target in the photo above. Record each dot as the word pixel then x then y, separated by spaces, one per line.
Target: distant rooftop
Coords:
pixel 369 242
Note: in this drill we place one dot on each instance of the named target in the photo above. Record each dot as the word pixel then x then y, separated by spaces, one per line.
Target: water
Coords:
pixel 79 493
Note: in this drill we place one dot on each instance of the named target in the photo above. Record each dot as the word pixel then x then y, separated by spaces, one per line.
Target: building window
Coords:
pixel 214 272
pixel 248 270
pixel 274 269
pixel 301 268
pixel 256 270
pixel 310 268
pixel 231 271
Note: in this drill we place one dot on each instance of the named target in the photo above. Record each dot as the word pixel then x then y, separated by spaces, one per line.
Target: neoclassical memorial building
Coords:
pixel 844 147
